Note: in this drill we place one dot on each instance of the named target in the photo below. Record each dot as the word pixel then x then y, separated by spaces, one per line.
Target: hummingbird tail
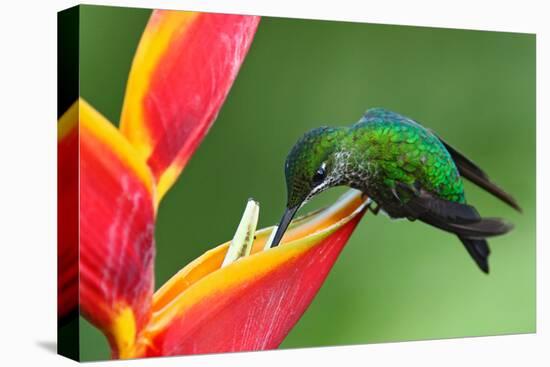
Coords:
pixel 480 229
pixel 458 218
pixel 479 251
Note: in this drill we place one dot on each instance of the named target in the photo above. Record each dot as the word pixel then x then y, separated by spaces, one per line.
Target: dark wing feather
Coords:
pixel 461 219
pixel 472 172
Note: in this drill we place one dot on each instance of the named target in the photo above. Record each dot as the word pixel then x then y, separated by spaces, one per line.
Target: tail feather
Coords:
pixel 479 251
pixel 461 219
pixel 485 227
pixel 458 218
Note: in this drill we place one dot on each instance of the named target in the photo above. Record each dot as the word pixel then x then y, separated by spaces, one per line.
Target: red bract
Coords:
pixel 67 212
pixel 110 184
pixel 182 71
pixel 253 303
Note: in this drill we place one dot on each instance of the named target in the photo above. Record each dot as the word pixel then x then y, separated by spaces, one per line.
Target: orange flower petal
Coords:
pixel 182 71
pixel 254 302
pixel 115 221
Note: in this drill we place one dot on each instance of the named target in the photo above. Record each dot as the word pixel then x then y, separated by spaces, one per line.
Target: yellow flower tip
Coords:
pixel 167 179
pixel 124 332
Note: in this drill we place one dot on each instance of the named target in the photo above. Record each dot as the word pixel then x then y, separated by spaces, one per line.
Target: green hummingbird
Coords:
pixel 405 169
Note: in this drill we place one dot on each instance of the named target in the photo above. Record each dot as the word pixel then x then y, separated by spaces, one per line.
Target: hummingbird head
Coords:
pixel 310 168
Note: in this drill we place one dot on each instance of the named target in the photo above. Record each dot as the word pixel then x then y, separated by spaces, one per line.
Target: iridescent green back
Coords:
pixel 402 150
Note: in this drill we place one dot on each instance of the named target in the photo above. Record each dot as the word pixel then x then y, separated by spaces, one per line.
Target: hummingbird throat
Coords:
pixel 347 171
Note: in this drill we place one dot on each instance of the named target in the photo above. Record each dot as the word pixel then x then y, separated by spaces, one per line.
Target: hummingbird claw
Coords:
pixel 373 210
pixel 415 188
pixel 395 194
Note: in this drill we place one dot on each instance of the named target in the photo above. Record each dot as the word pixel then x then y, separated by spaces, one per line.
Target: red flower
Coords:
pixel 110 184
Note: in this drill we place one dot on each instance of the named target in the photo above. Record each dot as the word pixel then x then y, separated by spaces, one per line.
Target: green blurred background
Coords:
pixel 395 281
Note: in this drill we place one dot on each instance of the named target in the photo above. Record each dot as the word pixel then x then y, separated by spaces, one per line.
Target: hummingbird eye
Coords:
pixel 320 174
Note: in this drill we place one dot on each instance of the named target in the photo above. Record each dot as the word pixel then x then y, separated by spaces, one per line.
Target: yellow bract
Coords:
pixel 124 333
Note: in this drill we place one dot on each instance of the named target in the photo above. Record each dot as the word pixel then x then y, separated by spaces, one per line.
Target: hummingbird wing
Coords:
pixel 450 216
pixel 473 173
pixel 466 167
pixel 461 219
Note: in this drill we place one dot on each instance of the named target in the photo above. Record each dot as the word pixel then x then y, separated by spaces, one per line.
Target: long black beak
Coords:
pixel 285 221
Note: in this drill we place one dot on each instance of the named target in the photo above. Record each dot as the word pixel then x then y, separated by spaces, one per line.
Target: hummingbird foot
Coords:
pixel 395 194
pixel 372 208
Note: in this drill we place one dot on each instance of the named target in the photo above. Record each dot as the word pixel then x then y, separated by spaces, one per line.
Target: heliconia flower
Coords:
pixel 111 180
pixel 115 220
pixel 253 303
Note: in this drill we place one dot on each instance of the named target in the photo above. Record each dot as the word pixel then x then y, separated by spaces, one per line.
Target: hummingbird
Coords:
pixel 405 170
